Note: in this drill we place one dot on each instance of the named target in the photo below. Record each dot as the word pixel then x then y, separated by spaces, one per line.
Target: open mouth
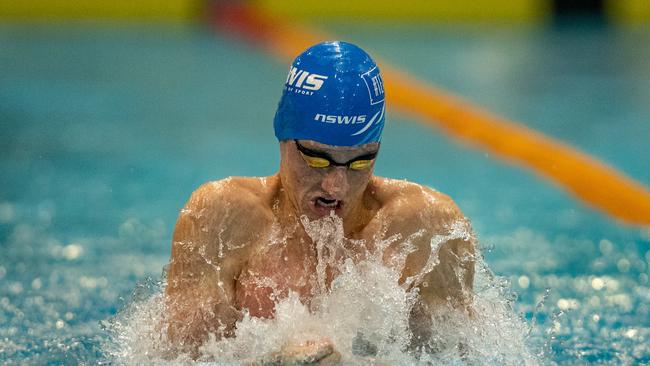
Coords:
pixel 331 204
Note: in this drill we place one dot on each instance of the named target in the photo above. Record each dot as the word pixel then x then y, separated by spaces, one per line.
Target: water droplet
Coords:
pixel 72 251
pixel 16 288
pixel 597 283
pixel 605 246
pixel 36 283
pixel 568 304
pixel 631 333
pixel 523 282
pixel 87 282
pixel 623 265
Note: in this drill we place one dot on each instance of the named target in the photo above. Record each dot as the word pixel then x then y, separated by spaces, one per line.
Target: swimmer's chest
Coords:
pixel 278 264
pixel 272 270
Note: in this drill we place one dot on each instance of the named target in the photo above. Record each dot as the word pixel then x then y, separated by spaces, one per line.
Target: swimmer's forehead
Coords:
pixel 370 147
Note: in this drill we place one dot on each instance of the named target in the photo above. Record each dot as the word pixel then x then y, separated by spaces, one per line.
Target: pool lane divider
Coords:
pixel 584 176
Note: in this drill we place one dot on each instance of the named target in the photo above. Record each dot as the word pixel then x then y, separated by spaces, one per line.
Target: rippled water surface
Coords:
pixel 106 129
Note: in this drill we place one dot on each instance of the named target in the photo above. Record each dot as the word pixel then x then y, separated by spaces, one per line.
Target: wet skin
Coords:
pixel 239 243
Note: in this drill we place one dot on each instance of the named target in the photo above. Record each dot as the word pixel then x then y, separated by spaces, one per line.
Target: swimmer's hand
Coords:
pixel 311 352
pixel 320 352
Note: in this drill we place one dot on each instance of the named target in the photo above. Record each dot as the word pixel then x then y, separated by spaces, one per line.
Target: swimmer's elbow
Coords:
pixel 190 320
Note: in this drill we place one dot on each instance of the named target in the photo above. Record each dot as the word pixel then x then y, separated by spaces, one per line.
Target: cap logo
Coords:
pixel 377 118
pixel 375 85
pixel 346 120
pixel 304 80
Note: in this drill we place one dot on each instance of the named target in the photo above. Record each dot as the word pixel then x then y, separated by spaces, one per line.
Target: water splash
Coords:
pixel 364 312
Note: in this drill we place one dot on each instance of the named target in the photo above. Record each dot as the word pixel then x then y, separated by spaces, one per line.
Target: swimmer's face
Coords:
pixel 314 191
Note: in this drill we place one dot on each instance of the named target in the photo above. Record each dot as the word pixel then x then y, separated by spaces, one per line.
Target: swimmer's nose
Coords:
pixel 335 182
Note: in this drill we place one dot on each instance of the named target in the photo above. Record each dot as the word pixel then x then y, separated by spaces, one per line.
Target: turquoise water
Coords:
pixel 106 129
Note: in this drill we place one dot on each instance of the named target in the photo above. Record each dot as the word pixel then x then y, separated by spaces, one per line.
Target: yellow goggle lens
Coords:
pixel 316 162
pixel 360 164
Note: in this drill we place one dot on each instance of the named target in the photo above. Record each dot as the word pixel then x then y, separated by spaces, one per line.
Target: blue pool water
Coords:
pixel 105 130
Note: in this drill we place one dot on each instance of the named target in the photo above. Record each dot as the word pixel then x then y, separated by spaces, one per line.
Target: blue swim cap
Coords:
pixel 334 94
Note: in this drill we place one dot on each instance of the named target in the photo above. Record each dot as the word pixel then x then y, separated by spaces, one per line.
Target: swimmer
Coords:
pixel 225 259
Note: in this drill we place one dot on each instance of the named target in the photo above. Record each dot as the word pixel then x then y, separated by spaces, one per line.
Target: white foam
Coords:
pixel 364 313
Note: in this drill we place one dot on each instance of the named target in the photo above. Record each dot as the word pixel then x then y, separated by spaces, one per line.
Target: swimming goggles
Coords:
pixel 317 159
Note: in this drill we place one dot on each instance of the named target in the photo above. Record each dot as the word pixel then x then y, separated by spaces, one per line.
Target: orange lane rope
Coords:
pixel 584 176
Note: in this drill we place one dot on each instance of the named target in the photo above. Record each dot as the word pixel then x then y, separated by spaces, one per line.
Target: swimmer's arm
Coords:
pixel 450 282
pixel 200 282
pixel 449 286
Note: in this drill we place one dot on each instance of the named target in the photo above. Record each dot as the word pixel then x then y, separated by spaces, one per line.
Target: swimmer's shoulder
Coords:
pixel 223 210
pixel 234 194
pixel 415 203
